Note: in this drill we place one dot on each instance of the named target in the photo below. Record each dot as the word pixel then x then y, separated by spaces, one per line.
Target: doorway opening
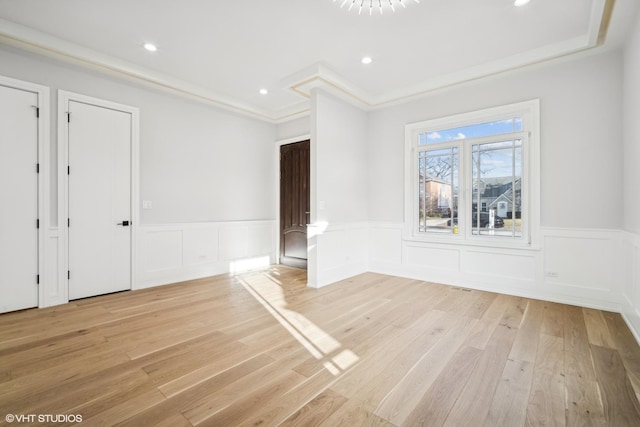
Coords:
pixel 295 208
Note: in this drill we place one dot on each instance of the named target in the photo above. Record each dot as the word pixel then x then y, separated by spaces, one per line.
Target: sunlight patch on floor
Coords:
pixel 314 339
pixel 249 264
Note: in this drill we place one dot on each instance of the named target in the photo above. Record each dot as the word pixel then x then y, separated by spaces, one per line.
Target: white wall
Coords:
pixel 631 124
pixel 341 179
pixel 210 175
pixel 578 260
pixel 198 163
pixel 293 129
pixel 632 131
pixel 581 134
pixel 338 242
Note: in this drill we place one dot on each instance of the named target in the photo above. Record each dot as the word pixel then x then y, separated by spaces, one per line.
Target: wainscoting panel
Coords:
pixel 385 244
pixel 631 272
pixel 519 266
pixel 178 252
pixel 263 239
pixel 342 252
pixel 573 266
pixel 53 283
pixel 432 257
pixel 161 249
pixel 234 241
pixel 579 259
pixel 200 245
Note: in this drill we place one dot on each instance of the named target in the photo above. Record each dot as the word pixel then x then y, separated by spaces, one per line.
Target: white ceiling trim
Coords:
pixel 318 75
pixel 38 42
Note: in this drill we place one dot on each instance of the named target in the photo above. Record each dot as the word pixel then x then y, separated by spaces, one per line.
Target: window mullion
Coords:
pixel 464 217
pixel 423 190
pixel 478 198
pixel 513 188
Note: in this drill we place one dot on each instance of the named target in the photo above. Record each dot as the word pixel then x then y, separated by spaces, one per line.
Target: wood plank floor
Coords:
pixel 262 349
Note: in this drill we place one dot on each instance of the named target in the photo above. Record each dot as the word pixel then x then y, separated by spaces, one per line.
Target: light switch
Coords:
pixel 146 204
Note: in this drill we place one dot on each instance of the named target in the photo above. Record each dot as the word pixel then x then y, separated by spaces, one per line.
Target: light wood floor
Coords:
pixel 261 349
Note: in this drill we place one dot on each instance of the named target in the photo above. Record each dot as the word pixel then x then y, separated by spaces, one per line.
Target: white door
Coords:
pixel 99 195
pixel 18 199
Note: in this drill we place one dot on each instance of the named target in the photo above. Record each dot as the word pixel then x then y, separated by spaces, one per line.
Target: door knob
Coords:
pixel 124 223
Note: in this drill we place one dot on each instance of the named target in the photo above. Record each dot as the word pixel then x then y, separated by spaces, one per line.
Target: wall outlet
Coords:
pixel 551 274
pixel 147 204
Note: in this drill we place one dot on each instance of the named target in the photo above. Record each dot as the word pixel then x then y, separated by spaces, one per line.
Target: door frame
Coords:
pixel 64 97
pixel 277 231
pixel 44 181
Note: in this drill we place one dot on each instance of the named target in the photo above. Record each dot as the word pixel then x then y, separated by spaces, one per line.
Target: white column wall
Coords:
pixel 631 235
pixel 338 237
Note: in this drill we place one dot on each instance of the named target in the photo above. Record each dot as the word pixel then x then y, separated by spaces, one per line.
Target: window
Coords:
pixel 438 187
pixel 474 177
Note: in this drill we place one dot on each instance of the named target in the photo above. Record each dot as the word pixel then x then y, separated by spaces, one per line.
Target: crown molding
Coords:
pixel 44 44
pixel 318 75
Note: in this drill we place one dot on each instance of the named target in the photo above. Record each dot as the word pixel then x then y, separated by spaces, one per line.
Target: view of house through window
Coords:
pixel 469 178
pixel 438 194
pixel 496 203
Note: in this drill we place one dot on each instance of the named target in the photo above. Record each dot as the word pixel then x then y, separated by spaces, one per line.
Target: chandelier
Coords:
pixel 373 4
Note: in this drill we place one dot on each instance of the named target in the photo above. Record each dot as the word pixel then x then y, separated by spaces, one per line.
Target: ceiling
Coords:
pixel 223 51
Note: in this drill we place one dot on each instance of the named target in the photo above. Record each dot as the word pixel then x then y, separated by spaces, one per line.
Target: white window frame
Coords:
pixel 530 113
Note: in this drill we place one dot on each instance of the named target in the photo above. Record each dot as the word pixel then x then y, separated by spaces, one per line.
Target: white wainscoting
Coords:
pixel 172 253
pixel 573 266
pixel 341 251
pixel 53 280
pixel 630 259
pixel 592 268
pixel 584 265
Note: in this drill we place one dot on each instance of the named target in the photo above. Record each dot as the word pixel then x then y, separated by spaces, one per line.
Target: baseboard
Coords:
pixel 631 316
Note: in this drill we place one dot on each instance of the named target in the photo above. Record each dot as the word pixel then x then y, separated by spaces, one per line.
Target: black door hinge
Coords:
pixel 38 223
pixel 37 112
pixel 68 275
pixel 37 167
pixel 68 222
pixel 68 170
pixel 68 117
pixel 37 279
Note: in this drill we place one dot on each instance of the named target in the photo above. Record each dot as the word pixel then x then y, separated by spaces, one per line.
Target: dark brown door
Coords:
pixel 294 203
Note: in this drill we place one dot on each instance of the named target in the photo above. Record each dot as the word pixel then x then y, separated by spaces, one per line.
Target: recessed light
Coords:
pixel 367 60
pixel 520 2
pixel 150 47
pixel 263 91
